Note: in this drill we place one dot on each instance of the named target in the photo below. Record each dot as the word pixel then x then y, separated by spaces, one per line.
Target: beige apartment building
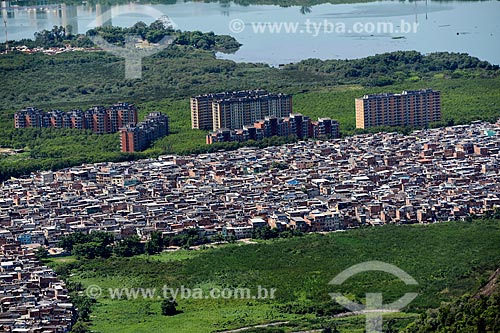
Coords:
pixel 415 108
pixel 234 110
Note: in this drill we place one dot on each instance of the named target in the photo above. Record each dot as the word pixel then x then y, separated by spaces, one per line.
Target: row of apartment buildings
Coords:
pixel 32 298
pixel 239 110
pixel 234 110
pixel 414 108
pixel 99 119
pixel 296 125
pixel 139 137
pixel 428 176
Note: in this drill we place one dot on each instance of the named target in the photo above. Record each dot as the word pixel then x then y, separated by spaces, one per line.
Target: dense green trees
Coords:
pixel 388 68
pixel 189 237
pixel 101 244
pixel 84 305
pixel 155 243
pixel 50 38
pixel 128 247
pixel 77 238
pixel 41 253
pixel 169 307
pixel 271 233
pixel 94 245
pixel 91 250
pixel 207 41
pixel 156 31
pixel 463 315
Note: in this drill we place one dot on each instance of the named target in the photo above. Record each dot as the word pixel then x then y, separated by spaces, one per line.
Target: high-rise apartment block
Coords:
pixel 139 137
pixel 237 109
pixel 296 125
pixel 415 108
pixel 98 119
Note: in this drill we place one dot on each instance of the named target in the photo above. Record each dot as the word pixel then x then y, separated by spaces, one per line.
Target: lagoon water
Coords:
pixel 326 31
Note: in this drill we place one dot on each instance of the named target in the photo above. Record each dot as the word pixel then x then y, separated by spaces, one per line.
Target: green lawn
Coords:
pixel 59 261
pixel 177 255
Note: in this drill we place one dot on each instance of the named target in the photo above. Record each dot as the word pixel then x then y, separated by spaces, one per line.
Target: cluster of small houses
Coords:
pixel 32 298
pixel 50 50
pixel 428 176
pixel 431 175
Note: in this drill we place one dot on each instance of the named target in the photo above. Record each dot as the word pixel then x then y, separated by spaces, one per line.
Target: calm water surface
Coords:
pixel 458 26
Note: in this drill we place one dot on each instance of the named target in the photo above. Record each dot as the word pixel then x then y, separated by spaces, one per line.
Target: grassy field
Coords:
pixel 447 260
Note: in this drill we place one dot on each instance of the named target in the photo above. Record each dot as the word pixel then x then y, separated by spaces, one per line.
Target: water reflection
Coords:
pixel 24 21
pixel 305 10
pixel 69 18
pixel 456 26
pixel 225 8
pixel 103 13
pixel 5 10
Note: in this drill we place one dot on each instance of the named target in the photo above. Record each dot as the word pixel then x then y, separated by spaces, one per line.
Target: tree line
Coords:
pixel 388 68
pixel 100 244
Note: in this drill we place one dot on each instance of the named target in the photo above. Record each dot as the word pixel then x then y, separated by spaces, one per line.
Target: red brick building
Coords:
pixel 98 118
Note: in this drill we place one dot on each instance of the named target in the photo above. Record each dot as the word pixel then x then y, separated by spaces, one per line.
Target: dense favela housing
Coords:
pixel 295 125
pixel 428 176
pixel 32 298
pixel 414 108
pixel 237 109
pixel 98 119
pixel 139 137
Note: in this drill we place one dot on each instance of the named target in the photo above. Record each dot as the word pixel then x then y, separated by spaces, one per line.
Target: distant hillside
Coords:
pixel 478 313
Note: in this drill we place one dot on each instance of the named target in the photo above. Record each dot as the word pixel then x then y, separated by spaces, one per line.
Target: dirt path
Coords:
pixel 491 286
pixel 256 326
pixel 340 315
